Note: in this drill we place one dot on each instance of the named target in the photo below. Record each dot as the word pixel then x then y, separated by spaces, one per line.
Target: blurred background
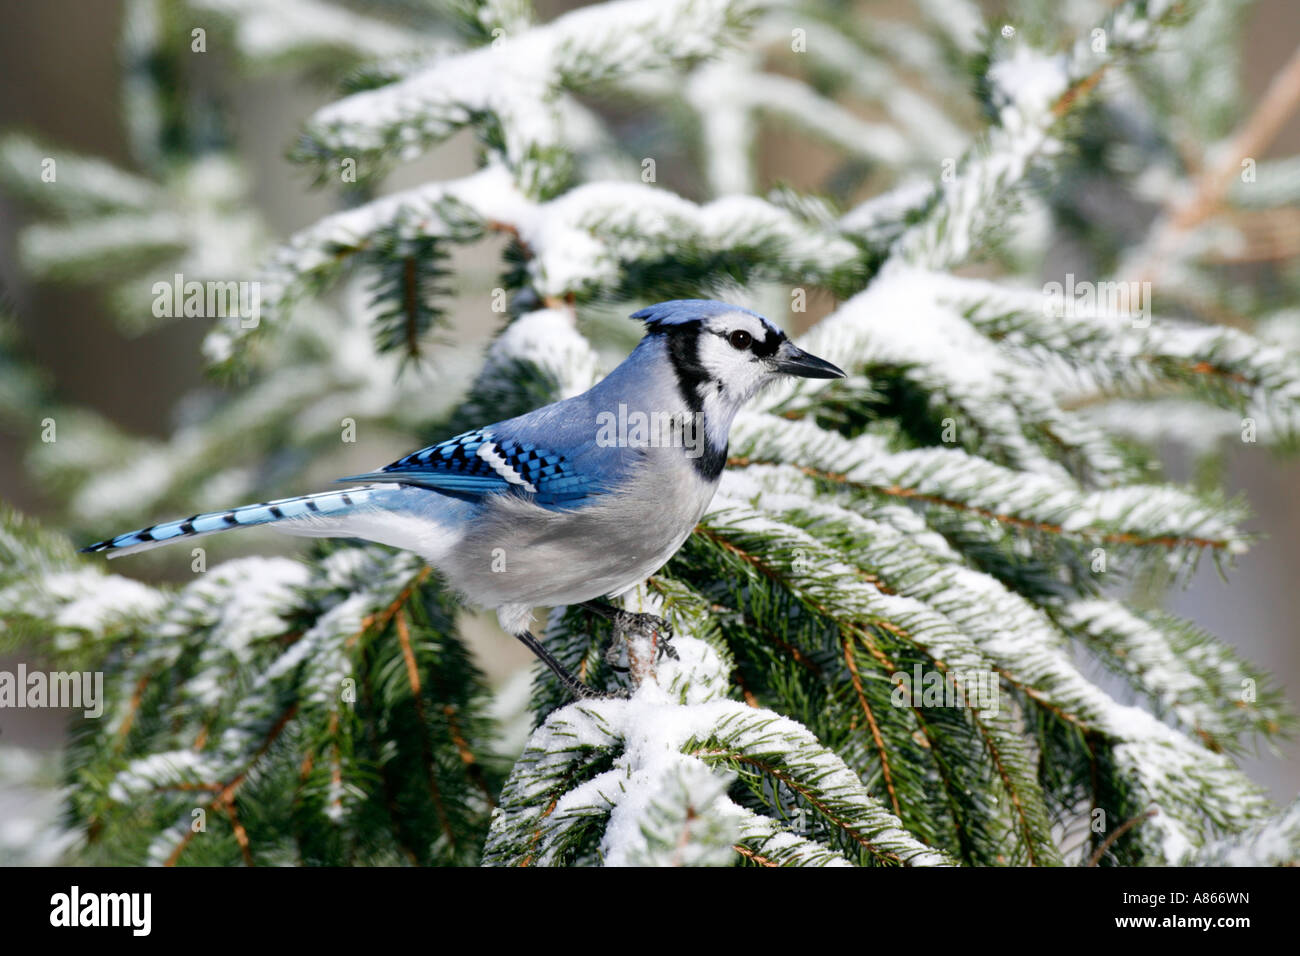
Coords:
pixel 61 81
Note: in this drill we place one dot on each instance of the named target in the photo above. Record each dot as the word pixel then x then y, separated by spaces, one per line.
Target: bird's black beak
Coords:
pixel 792 360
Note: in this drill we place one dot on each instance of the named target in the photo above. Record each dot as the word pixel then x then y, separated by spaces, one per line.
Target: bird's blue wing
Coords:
pixel 478 463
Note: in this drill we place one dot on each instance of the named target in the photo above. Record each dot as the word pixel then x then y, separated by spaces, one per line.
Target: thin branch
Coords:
pixel 225 798
pixel 1211 189
pixel 1118 832
pixel 803 791
pixel 413 675
pixel 752 856
pixel 897 491
pixel 875 728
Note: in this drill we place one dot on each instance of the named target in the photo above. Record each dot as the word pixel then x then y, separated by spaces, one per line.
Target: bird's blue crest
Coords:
pixel 663 315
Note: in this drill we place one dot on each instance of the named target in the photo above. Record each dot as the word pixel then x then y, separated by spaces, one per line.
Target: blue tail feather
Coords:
pixel 323 504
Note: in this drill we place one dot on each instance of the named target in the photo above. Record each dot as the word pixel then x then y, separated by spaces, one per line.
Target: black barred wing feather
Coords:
pixel 476 463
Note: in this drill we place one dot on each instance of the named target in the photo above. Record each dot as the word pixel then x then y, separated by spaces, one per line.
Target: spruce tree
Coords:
pixel 890 622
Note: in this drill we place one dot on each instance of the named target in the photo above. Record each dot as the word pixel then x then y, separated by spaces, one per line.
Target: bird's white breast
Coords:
pixel 519 553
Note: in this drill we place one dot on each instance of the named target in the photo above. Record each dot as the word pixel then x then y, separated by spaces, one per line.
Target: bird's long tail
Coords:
pixel 303 512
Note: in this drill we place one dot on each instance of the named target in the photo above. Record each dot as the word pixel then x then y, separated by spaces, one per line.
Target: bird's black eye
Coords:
pixel 740 339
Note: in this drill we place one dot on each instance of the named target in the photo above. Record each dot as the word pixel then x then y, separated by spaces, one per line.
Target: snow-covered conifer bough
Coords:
pixel 571 503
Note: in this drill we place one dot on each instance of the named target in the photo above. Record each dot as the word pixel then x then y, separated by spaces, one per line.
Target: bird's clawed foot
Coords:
pixel 611 653
pixel 636 622
pixel 627 623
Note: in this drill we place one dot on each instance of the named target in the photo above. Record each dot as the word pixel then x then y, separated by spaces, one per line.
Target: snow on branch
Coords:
pixel 1119 345
pixel 557 803
pixel 316 257
pixel 1268 843
pixel 794 102
pixel 1182 670
pixel 597 239
pixel 932 510
pixel 601 237
pixel 266 31
pixel 901 328
pixel 1030 92
pixel 1164 766
pixel 654 779
pixel 214 632
pixel 1132 516
pixel 46 591
pixel 929 130
pixel 540 357
pixel 781 537
pixel 85 185
pixel 514 82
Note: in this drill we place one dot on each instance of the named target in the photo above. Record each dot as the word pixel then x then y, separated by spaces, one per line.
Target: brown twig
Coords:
pixel 225 798
pixel 134 705
pixel 1118 832
pixel 875 728
pixel 1213 183
pixel 411 306
pixel 751 855
pixel 413 676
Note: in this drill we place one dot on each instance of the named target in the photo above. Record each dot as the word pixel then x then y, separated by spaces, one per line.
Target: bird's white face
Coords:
pixel 737 352
pixel 721 357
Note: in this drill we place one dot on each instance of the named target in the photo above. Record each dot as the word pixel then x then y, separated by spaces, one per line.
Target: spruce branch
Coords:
pixel 1030 93
pixel 1130 516
pixel 513 83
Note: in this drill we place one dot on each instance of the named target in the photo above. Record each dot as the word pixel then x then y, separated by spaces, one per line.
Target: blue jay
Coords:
pixel 576 501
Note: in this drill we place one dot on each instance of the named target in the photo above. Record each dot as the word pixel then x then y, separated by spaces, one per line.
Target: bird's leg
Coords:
pixel 610 653
pixel 574 686
pixel 626 622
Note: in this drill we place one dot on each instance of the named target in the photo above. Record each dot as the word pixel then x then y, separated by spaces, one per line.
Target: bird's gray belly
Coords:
pixel 520 553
